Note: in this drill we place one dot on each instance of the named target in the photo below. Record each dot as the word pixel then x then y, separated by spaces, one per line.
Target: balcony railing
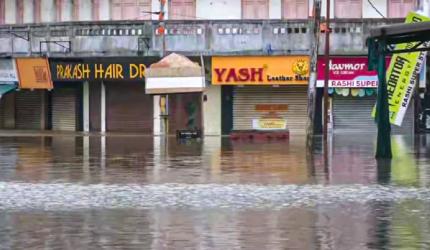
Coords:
pixel 196 37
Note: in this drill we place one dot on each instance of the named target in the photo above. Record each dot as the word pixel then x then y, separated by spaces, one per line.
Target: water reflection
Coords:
pixel 136 192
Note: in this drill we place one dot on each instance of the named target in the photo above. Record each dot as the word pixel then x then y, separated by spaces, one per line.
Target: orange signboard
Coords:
pixel 260 70
pixel 34 73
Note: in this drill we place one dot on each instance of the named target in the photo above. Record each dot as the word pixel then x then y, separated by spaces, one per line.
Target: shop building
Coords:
pixel 352 90
pixel 262 92
pixel 179 83
pixel 24 99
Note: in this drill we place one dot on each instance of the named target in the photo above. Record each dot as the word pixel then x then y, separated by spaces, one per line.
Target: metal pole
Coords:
pixel 161 31
pixel 383 143
pixel 327 70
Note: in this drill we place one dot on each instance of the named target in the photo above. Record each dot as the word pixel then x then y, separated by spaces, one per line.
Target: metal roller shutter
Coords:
pixel 64 115
pixel 2 110
pixel 128 108
pixel 28 109
pixel 352 115
pixel 245 99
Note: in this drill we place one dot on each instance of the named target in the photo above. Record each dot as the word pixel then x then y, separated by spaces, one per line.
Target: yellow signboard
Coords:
pixel 402 75
pixel 260 70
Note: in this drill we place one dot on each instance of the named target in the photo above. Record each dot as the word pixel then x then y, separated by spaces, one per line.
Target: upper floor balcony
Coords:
pixel 189 37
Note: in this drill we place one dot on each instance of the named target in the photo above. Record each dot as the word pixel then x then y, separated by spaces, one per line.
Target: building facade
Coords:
pixel 121 33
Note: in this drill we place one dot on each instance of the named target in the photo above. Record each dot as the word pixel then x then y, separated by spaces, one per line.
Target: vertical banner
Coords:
pixel 402 74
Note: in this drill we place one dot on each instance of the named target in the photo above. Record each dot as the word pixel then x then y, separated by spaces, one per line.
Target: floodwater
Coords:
pixel 136 192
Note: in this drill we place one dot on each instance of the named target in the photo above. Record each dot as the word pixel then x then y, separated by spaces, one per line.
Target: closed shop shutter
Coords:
pixel 2 111
pixel 185 112
pixel 353 115
pixel 245 99
pixel 64 111
pixel 28 109
pixel 128 108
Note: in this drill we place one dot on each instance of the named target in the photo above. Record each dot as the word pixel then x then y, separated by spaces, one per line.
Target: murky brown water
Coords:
pixel 131 192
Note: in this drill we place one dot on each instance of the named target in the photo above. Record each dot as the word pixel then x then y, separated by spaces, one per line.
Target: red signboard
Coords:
pixel 348 72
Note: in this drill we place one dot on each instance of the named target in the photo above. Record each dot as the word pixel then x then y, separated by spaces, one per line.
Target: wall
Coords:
pixel 11 10
pixel 104 12
pixel 156 7
pixel 67 11
pixel 219 9
pixel 275 9
pixel 85 10
pixel 323 8
pixel 212 111
pixel 205 9
pixel 369 12
pixel 48 11
pixel 28 11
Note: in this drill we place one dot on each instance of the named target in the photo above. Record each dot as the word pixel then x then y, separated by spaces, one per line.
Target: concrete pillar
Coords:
pixel 86 106
pixel 157 120
pixel 212 110
pixel 102 157
pixel 103 109
pixel 86 158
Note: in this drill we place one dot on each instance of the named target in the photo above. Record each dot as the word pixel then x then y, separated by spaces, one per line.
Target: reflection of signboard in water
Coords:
pixel 269 124
pixel 272 117
pixel 271 107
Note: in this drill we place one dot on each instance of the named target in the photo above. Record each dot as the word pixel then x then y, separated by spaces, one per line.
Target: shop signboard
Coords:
pixel 34 73
pixel 401 76
pixel 8 74
pixel 133 70
pixel 175 73
pixel 269 124
pixel 348 72
pixel 260 70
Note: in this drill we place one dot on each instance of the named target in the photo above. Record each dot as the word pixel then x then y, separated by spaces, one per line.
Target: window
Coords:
pixel 348 9
pixel 295 9
pixel 400 8
pixel 255 9
pixel 182 9
pixel 131 9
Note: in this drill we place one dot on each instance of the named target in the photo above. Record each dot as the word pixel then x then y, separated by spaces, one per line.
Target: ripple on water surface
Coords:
pixel 198 196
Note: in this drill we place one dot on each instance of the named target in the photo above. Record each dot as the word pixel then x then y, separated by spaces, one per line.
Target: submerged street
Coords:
pixel 135 192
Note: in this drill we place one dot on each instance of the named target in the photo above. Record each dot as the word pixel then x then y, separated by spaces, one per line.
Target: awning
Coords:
pixel 4 88
pixel 174 74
